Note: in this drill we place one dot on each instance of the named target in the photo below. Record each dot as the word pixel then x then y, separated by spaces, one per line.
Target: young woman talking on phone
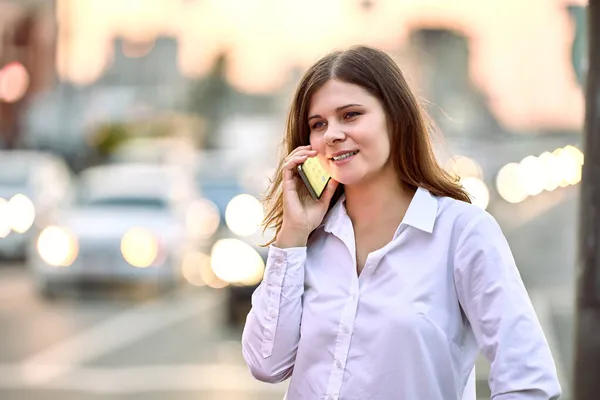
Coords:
pixel 389 285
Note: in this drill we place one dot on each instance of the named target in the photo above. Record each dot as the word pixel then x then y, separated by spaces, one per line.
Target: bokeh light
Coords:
pixel 244 214
pixel 22 213
pixel 477 190
pixel 139 247
pixel 464 167
pixel 57 246
pixel 508 184
pixel 14 82
pixel 5 220
pixel 195 268
pixel 532 175
pixel 203 219
pixel 235 261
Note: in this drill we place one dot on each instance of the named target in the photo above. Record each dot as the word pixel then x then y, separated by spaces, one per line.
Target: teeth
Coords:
pixel 343 156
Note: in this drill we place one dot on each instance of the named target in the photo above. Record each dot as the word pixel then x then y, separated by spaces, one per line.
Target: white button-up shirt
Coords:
pixel 411 325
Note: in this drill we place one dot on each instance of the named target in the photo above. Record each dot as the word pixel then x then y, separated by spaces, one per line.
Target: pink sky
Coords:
pixel 520 49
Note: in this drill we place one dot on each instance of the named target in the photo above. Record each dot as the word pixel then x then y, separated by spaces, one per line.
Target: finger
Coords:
pixel 302 152
pixel 293 162
pixel 290 166
pixel 332 185
pixel 299 149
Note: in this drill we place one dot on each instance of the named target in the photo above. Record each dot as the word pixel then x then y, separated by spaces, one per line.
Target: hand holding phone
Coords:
pixel 301 214
pixel 314 177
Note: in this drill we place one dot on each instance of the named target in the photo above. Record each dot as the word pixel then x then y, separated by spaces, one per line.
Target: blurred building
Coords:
pixel 140 82
pixel 457 105
pixel 27 48
pixel 149 68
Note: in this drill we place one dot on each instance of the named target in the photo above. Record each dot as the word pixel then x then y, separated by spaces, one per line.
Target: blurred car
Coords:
pixel 129 224
pixel 236 258
pixel 173 151
pixel 33 187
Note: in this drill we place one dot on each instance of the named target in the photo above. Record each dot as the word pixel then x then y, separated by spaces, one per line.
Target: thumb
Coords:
pixel 329 191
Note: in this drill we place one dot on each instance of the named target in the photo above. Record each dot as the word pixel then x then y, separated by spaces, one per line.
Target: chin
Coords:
pixel 347 179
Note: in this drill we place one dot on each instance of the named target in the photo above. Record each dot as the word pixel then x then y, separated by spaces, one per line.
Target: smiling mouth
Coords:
pixel 344 156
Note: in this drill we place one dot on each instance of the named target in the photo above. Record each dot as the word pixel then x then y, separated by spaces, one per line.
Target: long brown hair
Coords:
pixel 409 126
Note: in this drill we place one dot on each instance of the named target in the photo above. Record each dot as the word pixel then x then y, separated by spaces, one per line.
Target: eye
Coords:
pixel 351 115
pixel 318 125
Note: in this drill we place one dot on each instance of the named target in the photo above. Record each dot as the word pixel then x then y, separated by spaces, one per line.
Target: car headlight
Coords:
pixel 5 221
pixel 203 219
pixel 244 214
pixel 22 213
pixel 16 214
pixel 57 246
pixel 235 261
pixel 139 247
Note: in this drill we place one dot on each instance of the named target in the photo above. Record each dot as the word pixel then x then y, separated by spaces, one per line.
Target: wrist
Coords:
pixel 287 238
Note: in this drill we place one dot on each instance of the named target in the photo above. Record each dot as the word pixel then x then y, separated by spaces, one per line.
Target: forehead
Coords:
pixel 336 93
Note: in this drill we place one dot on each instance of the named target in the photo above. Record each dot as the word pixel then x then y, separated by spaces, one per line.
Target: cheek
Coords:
pixel 317 142
pixel 385 145
pixel 383 140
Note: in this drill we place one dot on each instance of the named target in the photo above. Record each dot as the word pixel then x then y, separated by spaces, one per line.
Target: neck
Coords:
pixel 377 200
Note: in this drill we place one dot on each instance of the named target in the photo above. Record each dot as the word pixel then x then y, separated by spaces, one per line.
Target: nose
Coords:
pixel 333 134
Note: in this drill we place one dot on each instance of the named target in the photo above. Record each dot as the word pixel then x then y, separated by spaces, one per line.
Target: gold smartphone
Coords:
pixel 314 176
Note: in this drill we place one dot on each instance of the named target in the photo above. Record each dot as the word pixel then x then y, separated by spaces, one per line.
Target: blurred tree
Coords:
pixel 214 99
pixel 209 98
pixel 580 42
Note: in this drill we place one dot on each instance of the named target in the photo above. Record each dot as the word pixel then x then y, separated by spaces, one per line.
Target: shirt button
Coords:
pixel 273 314
pixel 346 329
pixel 338 364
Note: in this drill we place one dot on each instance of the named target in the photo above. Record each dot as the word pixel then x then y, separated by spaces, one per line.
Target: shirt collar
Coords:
pixel 421 212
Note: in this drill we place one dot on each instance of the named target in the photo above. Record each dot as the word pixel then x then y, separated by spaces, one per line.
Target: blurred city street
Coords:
pixel 138 137
pixel 178 346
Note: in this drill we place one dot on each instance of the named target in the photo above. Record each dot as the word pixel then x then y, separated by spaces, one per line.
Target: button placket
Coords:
pixel 343 342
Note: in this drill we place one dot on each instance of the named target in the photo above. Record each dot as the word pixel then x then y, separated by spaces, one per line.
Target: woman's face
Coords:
pixel 348 129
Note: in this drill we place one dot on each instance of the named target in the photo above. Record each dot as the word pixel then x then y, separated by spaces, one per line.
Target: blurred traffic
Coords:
pixel 138 137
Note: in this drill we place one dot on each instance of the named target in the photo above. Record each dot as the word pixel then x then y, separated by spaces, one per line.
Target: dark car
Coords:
pixel 237 257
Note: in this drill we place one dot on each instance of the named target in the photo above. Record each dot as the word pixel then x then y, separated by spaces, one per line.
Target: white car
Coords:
pixel 163 150
pixel 129 224
pixel 33 187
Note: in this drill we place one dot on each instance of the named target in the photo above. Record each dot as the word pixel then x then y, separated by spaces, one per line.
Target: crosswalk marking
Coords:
pixel 114 333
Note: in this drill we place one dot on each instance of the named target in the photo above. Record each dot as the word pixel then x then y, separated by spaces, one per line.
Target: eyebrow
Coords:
pixel 336 110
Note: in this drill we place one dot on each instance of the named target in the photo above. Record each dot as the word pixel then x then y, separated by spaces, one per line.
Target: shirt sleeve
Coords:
pixel 498 308
pixel 272 330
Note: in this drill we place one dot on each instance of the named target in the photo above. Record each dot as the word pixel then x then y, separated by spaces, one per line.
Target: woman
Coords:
pixel 390 284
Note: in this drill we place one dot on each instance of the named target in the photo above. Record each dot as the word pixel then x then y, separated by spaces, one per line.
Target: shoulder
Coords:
pixel 464 218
